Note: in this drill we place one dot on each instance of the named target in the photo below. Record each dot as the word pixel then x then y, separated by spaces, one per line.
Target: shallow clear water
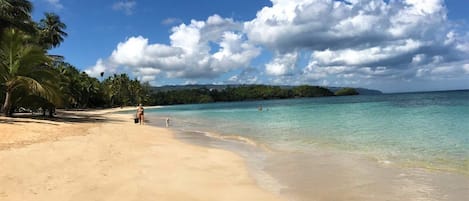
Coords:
pixel 426 130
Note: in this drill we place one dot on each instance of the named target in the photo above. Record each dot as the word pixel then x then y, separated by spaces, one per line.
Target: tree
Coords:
pixel 24 68
pixel 51 30
pixel 346 92
pixel 311 91
pixel 16 14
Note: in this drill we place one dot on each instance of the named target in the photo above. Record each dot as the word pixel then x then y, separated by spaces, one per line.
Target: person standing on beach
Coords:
pixel 140 114
pixel 167 122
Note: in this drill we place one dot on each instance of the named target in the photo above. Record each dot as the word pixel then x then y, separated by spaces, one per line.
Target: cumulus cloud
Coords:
pixel 402 50
pixel 98 68
pixel 126 6
pixel 201 49
pixel 146 74
pixel 346 42
pixel 356 40
pixel 323 24
pixel 438 71
pixel 282 64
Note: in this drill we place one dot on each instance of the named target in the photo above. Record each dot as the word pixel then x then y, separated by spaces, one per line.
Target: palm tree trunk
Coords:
pixel 51 111
pixel 7 105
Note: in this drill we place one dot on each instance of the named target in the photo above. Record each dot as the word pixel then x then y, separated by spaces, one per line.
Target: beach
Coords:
pixel 231 151
pixel 97 155
pixel 305 100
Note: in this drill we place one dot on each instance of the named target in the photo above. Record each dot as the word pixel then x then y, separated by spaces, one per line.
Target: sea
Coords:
pixel 419 137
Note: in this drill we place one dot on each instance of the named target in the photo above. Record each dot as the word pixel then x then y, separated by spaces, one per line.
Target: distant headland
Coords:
pixel 207 93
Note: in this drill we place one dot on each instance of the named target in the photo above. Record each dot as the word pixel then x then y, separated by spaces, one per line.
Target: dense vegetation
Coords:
pixel 241 93
pixel 346 92
pixel 31 78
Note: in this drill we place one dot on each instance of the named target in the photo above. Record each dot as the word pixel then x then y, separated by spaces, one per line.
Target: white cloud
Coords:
pixel 233 52
pixel 147 74
pixel 322 24
pixel 99 67
pixel 466 68
pixel 419 7
pixel 240 80
pixel 358 40
pixel 126 6
pixel 246 76
pixel 149 71
pixel 444 71
pixel 418 59
pixel 201 49
pixel 171 21
pixel 313 41
pixel 361 57
pixel 282 64
pixel 55 3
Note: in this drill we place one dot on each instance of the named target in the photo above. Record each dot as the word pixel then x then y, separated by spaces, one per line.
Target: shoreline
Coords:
pixel 336 175
pixel 396 162
pixel 104 156
pixel 92 154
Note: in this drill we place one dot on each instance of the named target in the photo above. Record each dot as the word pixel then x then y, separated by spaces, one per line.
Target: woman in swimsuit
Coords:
pixel 140 114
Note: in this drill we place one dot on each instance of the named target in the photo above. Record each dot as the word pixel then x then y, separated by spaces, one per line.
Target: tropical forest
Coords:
pixel 32 79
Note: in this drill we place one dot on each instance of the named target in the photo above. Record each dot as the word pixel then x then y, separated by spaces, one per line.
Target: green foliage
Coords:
pixel 31 78
pixel 311 91
pixel 242 93
pixel 51 30
pixel 79 90
pixel 27 75
pixel 24 71
pixel 16 14
pixel 120 90
pixel 82 91
pixel 346 92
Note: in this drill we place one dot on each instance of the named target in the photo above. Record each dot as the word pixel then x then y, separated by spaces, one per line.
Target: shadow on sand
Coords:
pixel 62 116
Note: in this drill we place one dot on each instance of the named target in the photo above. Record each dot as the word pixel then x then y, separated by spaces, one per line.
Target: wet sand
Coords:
pixel 328 175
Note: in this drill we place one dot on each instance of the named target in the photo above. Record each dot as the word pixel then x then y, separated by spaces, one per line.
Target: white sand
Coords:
pixel 106 157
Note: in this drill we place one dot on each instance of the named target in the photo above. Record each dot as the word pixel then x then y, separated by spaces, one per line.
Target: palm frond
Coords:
pixel 47 90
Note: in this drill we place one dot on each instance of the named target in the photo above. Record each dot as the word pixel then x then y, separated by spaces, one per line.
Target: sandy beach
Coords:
pixel 96 155
pixel 100 155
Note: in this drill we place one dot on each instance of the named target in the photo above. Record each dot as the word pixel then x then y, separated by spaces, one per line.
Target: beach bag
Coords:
pixel 136 120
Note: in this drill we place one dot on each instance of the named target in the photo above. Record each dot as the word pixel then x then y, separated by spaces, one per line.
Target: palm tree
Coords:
pixel 16 14
pixel 24 68
pixel 51 30
pixel 135 89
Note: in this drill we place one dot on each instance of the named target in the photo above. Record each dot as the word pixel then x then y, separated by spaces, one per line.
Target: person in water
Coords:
pixel 140 114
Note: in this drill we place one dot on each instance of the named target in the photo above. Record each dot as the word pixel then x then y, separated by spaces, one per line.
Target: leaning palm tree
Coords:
pixel 16 14
pixel 24 68
pixel 51 30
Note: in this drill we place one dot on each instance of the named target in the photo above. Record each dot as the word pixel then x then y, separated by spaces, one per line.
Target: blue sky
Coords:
pixel 397 45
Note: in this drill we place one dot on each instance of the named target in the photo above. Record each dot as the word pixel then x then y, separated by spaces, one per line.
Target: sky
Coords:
pixel 389 45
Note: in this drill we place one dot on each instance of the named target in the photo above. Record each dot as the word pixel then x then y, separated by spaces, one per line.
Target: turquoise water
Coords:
pixel 425 130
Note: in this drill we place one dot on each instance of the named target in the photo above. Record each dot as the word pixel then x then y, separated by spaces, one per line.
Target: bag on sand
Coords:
pixel 136 120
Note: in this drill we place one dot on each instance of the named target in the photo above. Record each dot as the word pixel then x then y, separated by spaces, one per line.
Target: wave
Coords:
pixel 232 138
